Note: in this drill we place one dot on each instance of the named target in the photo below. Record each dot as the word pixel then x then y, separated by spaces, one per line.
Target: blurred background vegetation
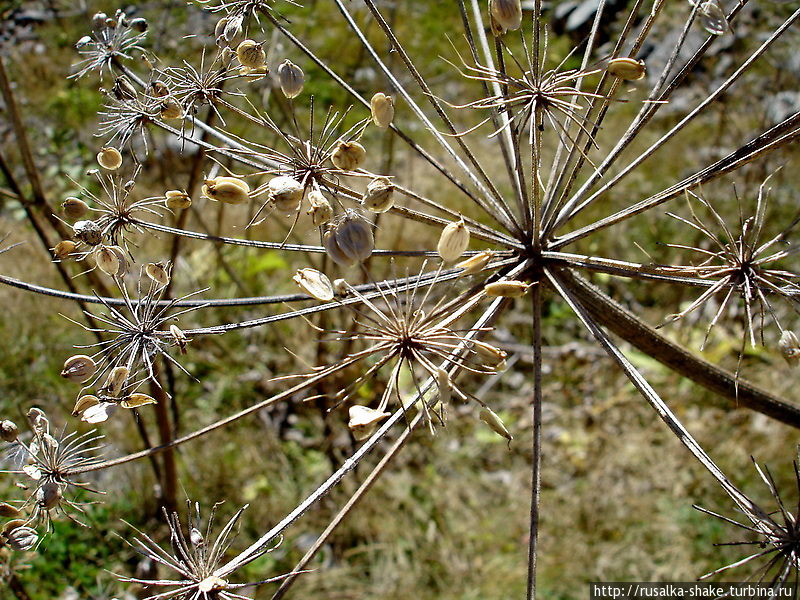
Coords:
pixel 450 519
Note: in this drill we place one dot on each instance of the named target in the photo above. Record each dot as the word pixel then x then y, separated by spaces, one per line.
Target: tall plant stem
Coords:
pixel 536 456
pixel 169 475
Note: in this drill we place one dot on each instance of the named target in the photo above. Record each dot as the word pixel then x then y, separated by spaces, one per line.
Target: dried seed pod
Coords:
pixel 88 232
pixel 286 193
pixel 251 54
pixel 230 190
pixel 712 18
pixel 508 289
pixel 84 403
pixel 320 209
pixel 315 284
pixel 454 241
pixel 495 423
pixel 291 79
pixel 506 13
pixel 138 24
pixel 158 273
pixel 629 69
pixel 158 89
pixel 123 89
pixel 37 420
pixel 22 538
pixel 178 337
pixel 350 240
pixel 8 511
pixel 83 42
pixel 99 20
pixel 79 368
pixel 490 356
pixel 379 196
pixel 107 260
pixel 109 158
pixel 177 200
pixel 364 421
pixel 790 347
pixel 33 472
pixel 171 109
pixel 98 413
pixel 63 249
pixel 211 584
pixel 348 156
pixel 340 287
pixel 196 538
pixel 115 381
pixel 476 263
pixel 219 28
pixel 137 400
pixel 49 495
pixel 382 108
pixel 232 32
pixel 254 74
pixel 8 431
pixel 74 208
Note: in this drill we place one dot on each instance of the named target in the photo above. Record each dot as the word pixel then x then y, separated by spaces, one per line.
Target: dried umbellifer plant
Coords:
pixel 536 156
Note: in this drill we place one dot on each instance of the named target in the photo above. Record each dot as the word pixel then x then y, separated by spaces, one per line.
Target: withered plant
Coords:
pixel 541 153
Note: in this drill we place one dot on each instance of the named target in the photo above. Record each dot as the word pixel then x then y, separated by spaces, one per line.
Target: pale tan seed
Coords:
pixel 348 156
pixel 177 200
pixel 63 249
pixel 506 289
pixel 171 109
pixel 506 13
pixel 251 54
pixel 137 400
pixel 116 381
pixel 315 284
pixel 109 158
pixel 364 421
pixel 79 368
pixel 382 108
pixel 454 241
pixel 88 232
pixel 83 404
pixel 476 263
pixel 74 208
pixel 790 347
pixel 157 273
pixel 320 209
pixel 495 423
pixel 629 69
pixel 229 190
pixel 291 79
pixel 379 196
pixel 286 193
pixel 107 260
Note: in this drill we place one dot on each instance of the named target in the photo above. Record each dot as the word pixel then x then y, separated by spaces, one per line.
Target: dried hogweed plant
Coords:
pixel 540 153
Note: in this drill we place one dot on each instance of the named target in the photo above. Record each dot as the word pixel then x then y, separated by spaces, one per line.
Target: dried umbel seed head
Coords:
pixel 379 196
pixel 382 108
pixel 8 431
pixel 137 400
pixel 177 200
pixel 350 240
pixel 251 54
pixel 63 249
pixel 178 337
pixel 790 347
pixel 21 538
pixel 454 241
pixel 107 260
pixel 171 109
pixel 115 381
pixel 49 495
pixel 74 208
pixel 79 368
pixel 320 209
pixel 158 273
pixel 629 69
pixel 158 89
pixel 109 158
pixel 88 232
pixel 348 156
pixel 507 289
pixel 291 78
pixel 230 190
pixel 495 423
pixel 83 404
pixel 364 421
pixel 315 284
pixel 476 263
pixel 286 193
pixel 507 14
